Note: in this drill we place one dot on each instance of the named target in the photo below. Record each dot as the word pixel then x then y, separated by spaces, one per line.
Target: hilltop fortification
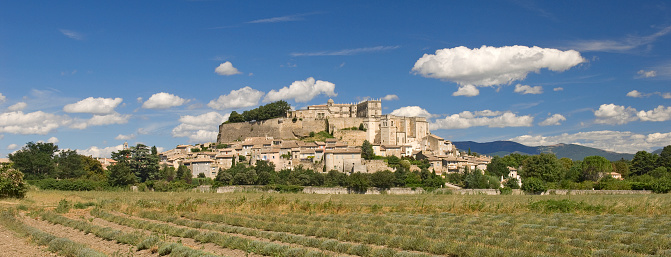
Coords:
pixel 353 123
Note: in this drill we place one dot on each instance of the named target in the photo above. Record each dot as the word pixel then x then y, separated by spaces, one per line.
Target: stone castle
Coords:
pixel 343 121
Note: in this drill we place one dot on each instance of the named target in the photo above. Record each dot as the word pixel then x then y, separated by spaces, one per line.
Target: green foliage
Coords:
pixel 235 117
pixel 121 175
pixel 533 185
pixel 367 152
pixel 621 166
pixel 477 180
pixel 564 206
pixel 543 166
pixel 643 163
pixel 664 159
pixel 63 206
pixel 498 167
pixel 383 179
pixel 11 182
pixel 70 184
pixel 512 183
pixel 265 112
pixel 361 127
pixel 35 160
pixel 335 178
pixel 358 182
pixel 594 167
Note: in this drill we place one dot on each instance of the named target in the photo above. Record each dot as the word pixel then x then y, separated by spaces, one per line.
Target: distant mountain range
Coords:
pixel 572 151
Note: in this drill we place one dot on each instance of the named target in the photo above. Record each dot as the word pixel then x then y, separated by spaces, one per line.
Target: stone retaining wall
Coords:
pixel 410 191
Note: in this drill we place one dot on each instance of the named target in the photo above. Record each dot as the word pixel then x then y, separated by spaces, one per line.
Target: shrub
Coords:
pixel 63 206
pixel 533 185
pixel 11 182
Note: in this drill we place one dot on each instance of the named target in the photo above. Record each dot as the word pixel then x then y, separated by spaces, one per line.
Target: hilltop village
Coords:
pixel 288 142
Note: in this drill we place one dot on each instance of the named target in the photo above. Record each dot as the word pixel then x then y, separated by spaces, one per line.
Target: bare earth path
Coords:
pixel 13 246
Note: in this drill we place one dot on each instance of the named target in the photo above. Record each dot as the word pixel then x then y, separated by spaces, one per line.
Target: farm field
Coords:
pixel 269 224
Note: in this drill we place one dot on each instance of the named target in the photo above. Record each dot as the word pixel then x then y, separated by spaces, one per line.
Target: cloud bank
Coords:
pixel 490 66
pixel 302 91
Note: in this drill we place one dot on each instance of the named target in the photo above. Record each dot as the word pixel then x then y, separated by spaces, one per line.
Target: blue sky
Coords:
pixel 91 75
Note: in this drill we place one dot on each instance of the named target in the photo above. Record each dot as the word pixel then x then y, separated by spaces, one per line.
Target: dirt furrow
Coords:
pixel 207 247
pixel 93 242
pixel 13 246
pixel 234 234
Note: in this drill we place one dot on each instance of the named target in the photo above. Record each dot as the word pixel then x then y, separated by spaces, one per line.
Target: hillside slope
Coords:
pixel 572 151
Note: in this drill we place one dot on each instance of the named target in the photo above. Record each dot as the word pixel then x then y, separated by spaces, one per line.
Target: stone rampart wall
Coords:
pixel 410 191
pixel 352 137
pixel 376 165
pixel 596 192
pixel 280 128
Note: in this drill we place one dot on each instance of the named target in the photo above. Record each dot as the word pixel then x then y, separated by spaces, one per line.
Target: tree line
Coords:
pixel 265 112
pixel 646 171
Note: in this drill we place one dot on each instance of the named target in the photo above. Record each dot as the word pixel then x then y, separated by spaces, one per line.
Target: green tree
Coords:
pixel 235 117
pixel 335 178
pixel 383 179
pixel 35 160
pixel 358 182
pixel 94 169
pixel 143 163
pixel 512 183
pixel 120 174
pixel 594 167
pixel 265 172
pixel 367 152
pixel 497 167
pixel 621 166
pixel 69 164
pixel 643 163
pixel 167 173
pixel 514 160
pixel 183 173
pixel 393 161
pixel 664 159
pixel 533 185
pixel 11 182
pixel 544 166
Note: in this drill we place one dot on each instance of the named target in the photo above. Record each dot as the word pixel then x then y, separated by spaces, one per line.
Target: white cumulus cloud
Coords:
pixel 469 119
pixel 37 122
pixel 467 90
pixel 411 111
pixel 558 89
pixel 526 89
pixel 660 113
pixel 17 107
pixel 615 114
pixel 53 140
pixel 95 151
pixel 94 105
pixel 390 97
pixel 125 137
pixel 244 97
pixel 490 66
pixel 302 91
pixel 616 141
pixel 647 74
pixel 635 94
pixel 200 129
pixel 12 147
pixel 2 98
pixel 226 69
pixel 101 120
pixel 163 101
pixel 553 120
